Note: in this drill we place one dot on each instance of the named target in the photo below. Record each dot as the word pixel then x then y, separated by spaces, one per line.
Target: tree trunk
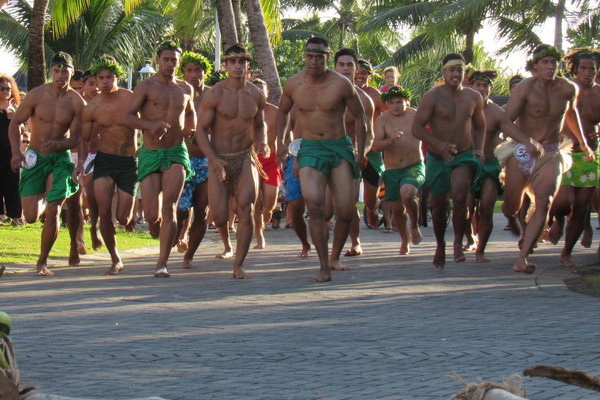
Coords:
pixel 558 23
pixel 470 40
pixel 264 53
pixel 227 23
pixel 36 74
pixel 237 14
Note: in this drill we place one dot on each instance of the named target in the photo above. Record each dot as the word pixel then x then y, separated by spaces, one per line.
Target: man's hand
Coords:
pixel 534 148
pixel 159 129
pixel 446 151
pixel 589 154
pixel 397 136
pixel 217 166
pixel 48 147
pixel 78 173
pixel 263 148
pixel 16 161
pixel 10 111
pixel 295 168
pixel 479 155
pixel 282 153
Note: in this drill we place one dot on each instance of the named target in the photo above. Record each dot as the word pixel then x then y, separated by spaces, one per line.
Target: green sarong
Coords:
pixel 394 179
pixel 489 170
pixel 324 155
pixel 376 161
pixel 582 173
pixel 151 161
pixel 33 180
pixel 437 171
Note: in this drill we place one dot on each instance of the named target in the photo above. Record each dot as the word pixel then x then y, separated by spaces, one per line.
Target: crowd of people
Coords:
pixel 220 154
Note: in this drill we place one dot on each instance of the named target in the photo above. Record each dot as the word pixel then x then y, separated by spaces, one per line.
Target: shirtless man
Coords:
pixel 455 115
pixel 486 183
pixel 233 111
pixel 404 168
pixel 77 81
pixel 54 113
pixel 542 104
pixel 167 114
pixel 374 168
pixel 326 156
pixel 579 183
pixel 115 163
pixel 268 188
pixel 194 68
pixel 346 62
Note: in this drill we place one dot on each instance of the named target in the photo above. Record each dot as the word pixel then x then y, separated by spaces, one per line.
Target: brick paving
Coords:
pixel 392 327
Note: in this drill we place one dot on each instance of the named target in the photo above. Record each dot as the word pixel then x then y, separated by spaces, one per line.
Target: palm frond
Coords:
pixel 64 12
pixel 272 15
pixel 412 14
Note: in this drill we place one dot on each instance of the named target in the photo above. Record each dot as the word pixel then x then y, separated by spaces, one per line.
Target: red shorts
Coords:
pixel 271 168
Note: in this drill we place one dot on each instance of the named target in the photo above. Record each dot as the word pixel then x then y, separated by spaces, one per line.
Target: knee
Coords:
pixel 31 216
pixel 123 218
pixel 314 211
pixel 408 192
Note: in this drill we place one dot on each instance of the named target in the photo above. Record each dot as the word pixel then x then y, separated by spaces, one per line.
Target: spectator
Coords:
pixel 10 202
pixel 391 75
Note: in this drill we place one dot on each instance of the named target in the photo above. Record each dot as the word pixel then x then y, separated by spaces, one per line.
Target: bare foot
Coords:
pixel 42 270
pixel 439 259
pixel 74 259
pixel 115 269
pixel 415 233
pixel 260 244
pixel 188 264
pixel 556 231
pixel 336 266
pixel 471 244
pixel 161 273
pixel 480 258
pixel 81 248
pixel 304 253
pixel 513 225
pixel 225 254
pixel 354 251
pixel 240 273
pixel 544 236
pixel 586 238
pixel 459 255
pixel 96 242
pixel 182 246
pixel 524 266
pixel 404 249
pixel 322 276
pixel 567 262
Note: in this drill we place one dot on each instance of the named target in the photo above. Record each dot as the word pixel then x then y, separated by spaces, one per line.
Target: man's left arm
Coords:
pixel 369 107
pixel 355 106
pixel 478 127
pixel 260 127
pixel 189 128
pixel 574 124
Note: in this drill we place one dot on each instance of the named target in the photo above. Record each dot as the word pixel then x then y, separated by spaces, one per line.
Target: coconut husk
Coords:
pixel 478 390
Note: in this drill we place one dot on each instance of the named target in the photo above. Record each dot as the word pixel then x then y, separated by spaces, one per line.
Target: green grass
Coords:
pixel 22 245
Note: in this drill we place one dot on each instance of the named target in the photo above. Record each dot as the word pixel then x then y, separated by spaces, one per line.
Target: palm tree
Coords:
pixel 37 66
pixel 440 20
pixel 102 27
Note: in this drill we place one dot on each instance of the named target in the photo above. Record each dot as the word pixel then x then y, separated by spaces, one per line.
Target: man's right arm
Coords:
pixel 422 117
pixel 21 115
pixel 206 115
pixel 380 143
pixel 516 101
pixel 132 119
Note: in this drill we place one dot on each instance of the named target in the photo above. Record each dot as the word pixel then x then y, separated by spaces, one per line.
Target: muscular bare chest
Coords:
pixel 57 111
pixel 167 98
pixel 546 103
pixel 589 106
pixel 310 98
pixel 452 110
pixel 237 106
pixel 104 114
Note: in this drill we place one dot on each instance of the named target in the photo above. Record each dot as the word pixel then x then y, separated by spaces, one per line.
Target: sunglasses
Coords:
pixel 5 89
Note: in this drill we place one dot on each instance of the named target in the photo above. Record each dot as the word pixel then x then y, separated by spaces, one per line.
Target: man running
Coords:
pixel 268 188
pixel 346 62
pixel 404 168
pixel 374 167
pixel 326 156
pixel 54 113
pixel 455 115
pixel 233 111
pixel 579 183
pixel 115 163
pixel 486 184
pixel 194 68
pixel 542 104
pixel 167 114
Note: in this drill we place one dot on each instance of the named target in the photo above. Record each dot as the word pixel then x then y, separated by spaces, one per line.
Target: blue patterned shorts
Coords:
pixel 200 168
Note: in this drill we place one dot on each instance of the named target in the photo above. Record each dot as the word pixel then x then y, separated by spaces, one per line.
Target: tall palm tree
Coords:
pixel 37 66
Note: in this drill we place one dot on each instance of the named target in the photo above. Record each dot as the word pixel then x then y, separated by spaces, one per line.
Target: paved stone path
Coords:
pixel 390 328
